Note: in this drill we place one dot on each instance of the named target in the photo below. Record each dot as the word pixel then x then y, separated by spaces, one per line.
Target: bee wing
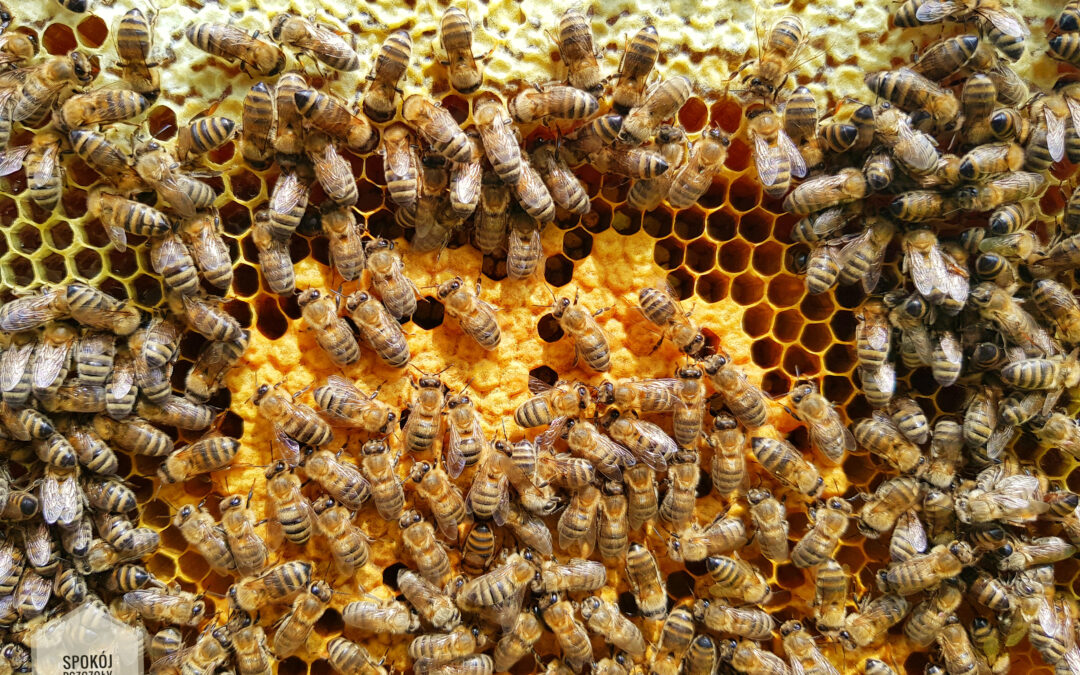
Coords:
pixel 122 381
pixel 454 459
pixel 117 236
pixel 174 661
pixel 333 167
pixel 555 429
pixel 345 390
pixel 34 590
pixel 623 456
pixel 1004 22
pixel 950 347
pixel 935 10
pixel 38 544
pixel 796 664
pixel 1055 135
pixel 288 193
pixel 766 161
pixel 869 281
pixel 47 166
pixel 922 268
pixel 60 500
pixel 503 508
pixel 50 360
pixel 13 364
pixel 1074 112
pixel 885 377
pixel 788 148
pixel 398 160
pixel 910 527
pixel 537 386
pixel 174 191
pixel 286 448
pixel 12 159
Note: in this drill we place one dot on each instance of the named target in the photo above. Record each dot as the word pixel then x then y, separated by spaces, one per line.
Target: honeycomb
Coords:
pixel 728 258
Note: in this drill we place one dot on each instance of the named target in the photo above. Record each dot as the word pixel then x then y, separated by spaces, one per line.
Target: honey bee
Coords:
pixel 647 194
pixel 331 116
pixel 873 334
pixel 343 482
pixel 504 585
pixel 747 622
pixel 201 532
pixel 296 626
pixel 565 188
pixel 547 404
pixel 203 456
pixel 783 461
pixel 17 48
pixel 929 617
pixel 346 246
pixel 950 56
pixel 401 164
pixel 646 441
pixel 776 157
pixel 800 647
pixel 572 576
pixel 944 561
pixel 736 579
pixel 661 101
pixel 1010 187
pixel 604 618
pixel 477 550
pixel 476 317
pixel 380 470
pixel 578 523
pixel 705 161
pixel 333 172
pixel 911 91
pixel 392 617
pixel 827 432
pixel 425 418
pixel 182 191
pixel 272 585
pixel 523 249
pixel 869 624
pixel 348 543
pixel 909 418
pixel 934 273
pixel 643 575
pixel 294 423
pixel 41 85
pixel 745 657
pixel 52 359
pixel 829 524
pixel 1010 319
pixel 171 605
pixel 612 535
pixel 119 215
pixel 390 64
pixel 433 605
pixel 288 201
pixel 234 45
pixel 455 34
pixel 770 71
pixel 1015 499
pixel 436 126
pixel 202 135
pixel 442 497
pixel 1057 303
pixel 679 501
pixel 15 372
pixel 397 292
pixel 248 549
pixel 497 137
pixel 770 523
pixel 636 65
pixel 882 437
pixel 92 451
pixel 378 329
pixel 256 126
pixel 1038 551
pixel 292 510
pixel 202 235
pixel 590 343
pixel 274 258
pixel 552 102
pixel 892 498
pixel 105 158
pixel 331 332
pixel 345 405
pixel 516 644
pixel 39 158
pixel 318 40
pixel 822 192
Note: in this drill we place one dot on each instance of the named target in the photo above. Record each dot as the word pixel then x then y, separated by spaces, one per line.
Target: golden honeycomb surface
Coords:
pixel 729 258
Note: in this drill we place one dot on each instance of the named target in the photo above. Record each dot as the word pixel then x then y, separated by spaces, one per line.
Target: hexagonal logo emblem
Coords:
pixel 87 641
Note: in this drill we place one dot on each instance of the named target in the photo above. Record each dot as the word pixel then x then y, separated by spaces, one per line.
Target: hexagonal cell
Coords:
pixel 429 313
pixel 88 263
pixel 713 287
pixel 658 223
pixel 817 307
pixel 721 225
pixel 27 238
pixel 122 264
pixel 756 226
pixel 840 358
pixel 816 337
pixel 776 383
pixel 92 31
pixel 627 221
pixel 727 114
pixel 615 188
pixel 58 39
pixel 738 156
pixel 245 185
pixel 558 270
pixel 842 326
pixel 53 267
pixel 682 282
pixel 757 320
pixel 161 122
pixel 734 256
pixel 700 255
pixel 548 329
pixel 786 325
pixel 370 198
pixel 767 258
pixel 599 218
pixel 59 236
pixel 766 352
pixel 744 194
pixel 577 244
pixel 800 363
pixel 689 224
pixel 716 194
pixel 746 289
pixel 668 253
pixel 81 174
pixel 694 115
pixel 837 389
pixel 785 290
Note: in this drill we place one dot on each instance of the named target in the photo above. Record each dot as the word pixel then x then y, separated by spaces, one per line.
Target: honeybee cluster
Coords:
pixel 614 467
